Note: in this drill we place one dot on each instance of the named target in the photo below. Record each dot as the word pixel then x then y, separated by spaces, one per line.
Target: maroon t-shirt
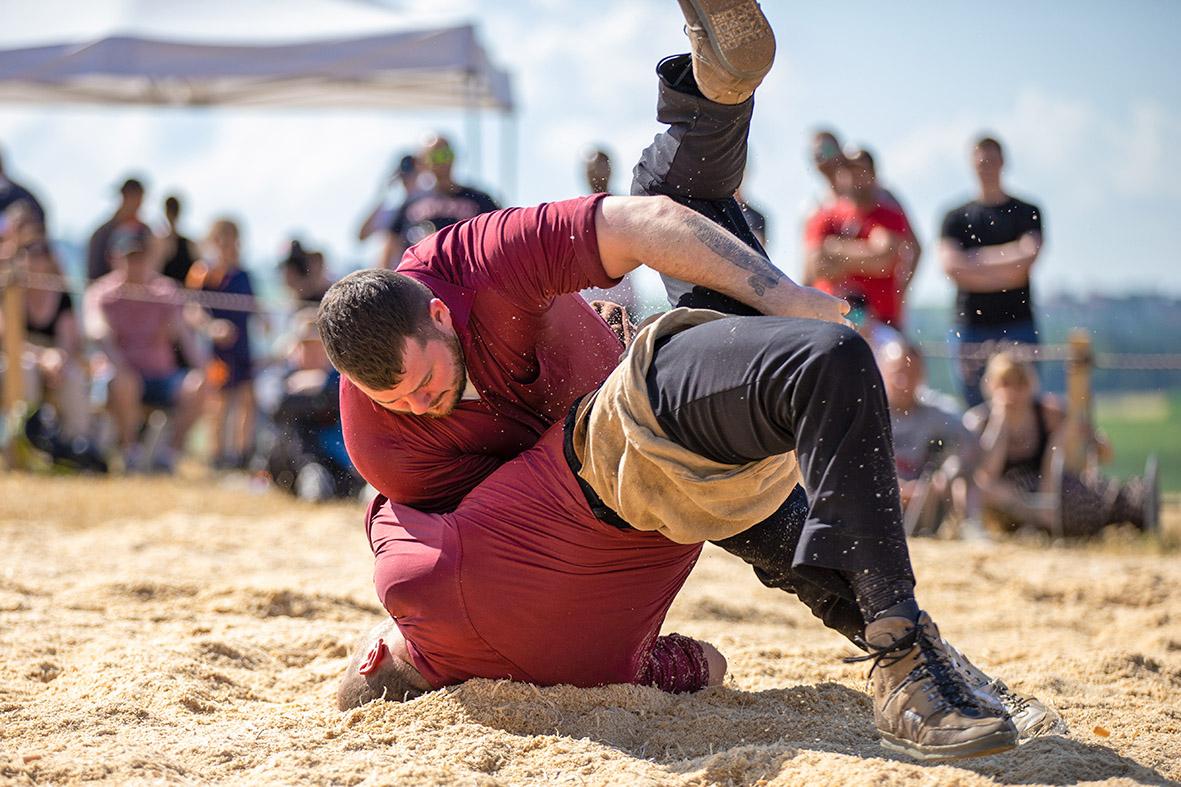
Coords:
pixel 531 344
pixel 521 581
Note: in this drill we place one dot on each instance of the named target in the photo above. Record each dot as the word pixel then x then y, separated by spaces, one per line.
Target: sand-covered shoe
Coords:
pixel 733 47
pixel 1032 717
pixel 922 705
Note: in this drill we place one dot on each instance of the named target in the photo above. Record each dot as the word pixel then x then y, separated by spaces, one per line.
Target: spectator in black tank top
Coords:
pixel 1020 429
pixel 988 247
pixel 52 361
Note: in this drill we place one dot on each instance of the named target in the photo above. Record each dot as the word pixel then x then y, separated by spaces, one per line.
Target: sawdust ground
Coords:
pixel 161 630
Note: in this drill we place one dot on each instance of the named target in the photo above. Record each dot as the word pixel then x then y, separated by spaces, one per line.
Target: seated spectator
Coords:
pixel 179 252
pixel 1019 430
pixel 227 321
pixel 304 274
pixel 98 251
pixel 437 202
pixel 934 453
pixel 308 458
pixel 875 332
pixel 857 241
pixel 134 313
pixel 20 225
pixel 54 373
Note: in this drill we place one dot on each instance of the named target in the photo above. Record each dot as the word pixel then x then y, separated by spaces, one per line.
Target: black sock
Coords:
pixel 881 595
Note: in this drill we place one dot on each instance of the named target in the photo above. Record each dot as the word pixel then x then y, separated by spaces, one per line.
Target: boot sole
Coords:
pixel 992 744
pixel 733 37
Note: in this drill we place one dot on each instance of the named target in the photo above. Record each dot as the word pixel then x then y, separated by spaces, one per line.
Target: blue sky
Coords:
pixel 1086 96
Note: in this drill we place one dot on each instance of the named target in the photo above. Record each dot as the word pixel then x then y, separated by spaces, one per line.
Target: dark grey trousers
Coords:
pixel 741 389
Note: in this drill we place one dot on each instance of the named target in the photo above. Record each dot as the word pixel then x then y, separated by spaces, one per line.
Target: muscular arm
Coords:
pixel 678 242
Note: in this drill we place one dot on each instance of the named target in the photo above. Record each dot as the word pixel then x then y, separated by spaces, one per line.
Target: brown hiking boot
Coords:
pixel 733 47
pixel 922 705
pixel 1032 717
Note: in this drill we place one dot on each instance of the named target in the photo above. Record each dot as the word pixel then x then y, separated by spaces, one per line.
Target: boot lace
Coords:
pixel 950 686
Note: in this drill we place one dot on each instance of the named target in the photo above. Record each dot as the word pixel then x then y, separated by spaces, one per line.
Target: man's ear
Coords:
pixel 440 315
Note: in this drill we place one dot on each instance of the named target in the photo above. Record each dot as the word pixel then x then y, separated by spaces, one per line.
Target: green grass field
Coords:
pixel 1141 424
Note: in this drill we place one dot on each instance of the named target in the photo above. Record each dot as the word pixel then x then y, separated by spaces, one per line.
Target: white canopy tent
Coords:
pixel 245 53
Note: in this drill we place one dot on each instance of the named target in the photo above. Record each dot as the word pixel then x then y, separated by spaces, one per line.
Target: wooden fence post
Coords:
pixel 13 282
pixel 1078 437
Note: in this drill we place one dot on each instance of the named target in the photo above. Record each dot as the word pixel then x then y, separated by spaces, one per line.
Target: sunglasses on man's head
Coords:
pixel 440 156
pixel 826 152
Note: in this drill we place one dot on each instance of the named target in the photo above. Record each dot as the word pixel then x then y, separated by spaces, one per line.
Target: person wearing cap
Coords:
pixel 405 175
pixel 98 251
pixel 135 315
pixel 438 202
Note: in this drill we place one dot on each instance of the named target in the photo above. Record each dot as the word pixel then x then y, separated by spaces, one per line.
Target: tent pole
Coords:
pixel 472 111
pixel 508 155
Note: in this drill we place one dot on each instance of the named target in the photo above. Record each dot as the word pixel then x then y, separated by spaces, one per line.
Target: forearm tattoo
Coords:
pixel 763 275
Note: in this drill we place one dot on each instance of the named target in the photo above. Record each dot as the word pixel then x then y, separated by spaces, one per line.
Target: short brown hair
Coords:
pixel 365 320
pixel 989 142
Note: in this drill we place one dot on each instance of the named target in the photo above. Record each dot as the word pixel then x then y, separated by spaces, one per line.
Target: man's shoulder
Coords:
pixel 478 195
pixel 961 209
pixel 1024 206
pixel 889 215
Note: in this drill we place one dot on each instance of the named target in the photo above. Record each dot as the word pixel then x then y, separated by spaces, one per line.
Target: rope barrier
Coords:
pixel 49 282
pixel 1040 353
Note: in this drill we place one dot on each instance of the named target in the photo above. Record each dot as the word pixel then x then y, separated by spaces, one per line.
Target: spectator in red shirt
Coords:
pixel 828 159
pixel 857 242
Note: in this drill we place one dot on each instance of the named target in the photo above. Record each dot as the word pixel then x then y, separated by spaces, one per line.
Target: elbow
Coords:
pixel 660 208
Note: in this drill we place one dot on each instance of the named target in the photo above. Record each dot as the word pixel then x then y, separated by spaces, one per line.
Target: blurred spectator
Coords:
pixel 179 252
pixel 12 192
pixel 135 315
pixel 308 458
pixel 598 171
pixel 437 202
pixel 98 252
pixel 935 455
pixel 875 332
pixel 227 321
pixel 19 226
pixel 304 273
pixel 755 219
pixel 598 181
pixel 404 175
pixel 988 247
pixel 828 158
pixel 1020 430
pixel 856 241
pixel 54 375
